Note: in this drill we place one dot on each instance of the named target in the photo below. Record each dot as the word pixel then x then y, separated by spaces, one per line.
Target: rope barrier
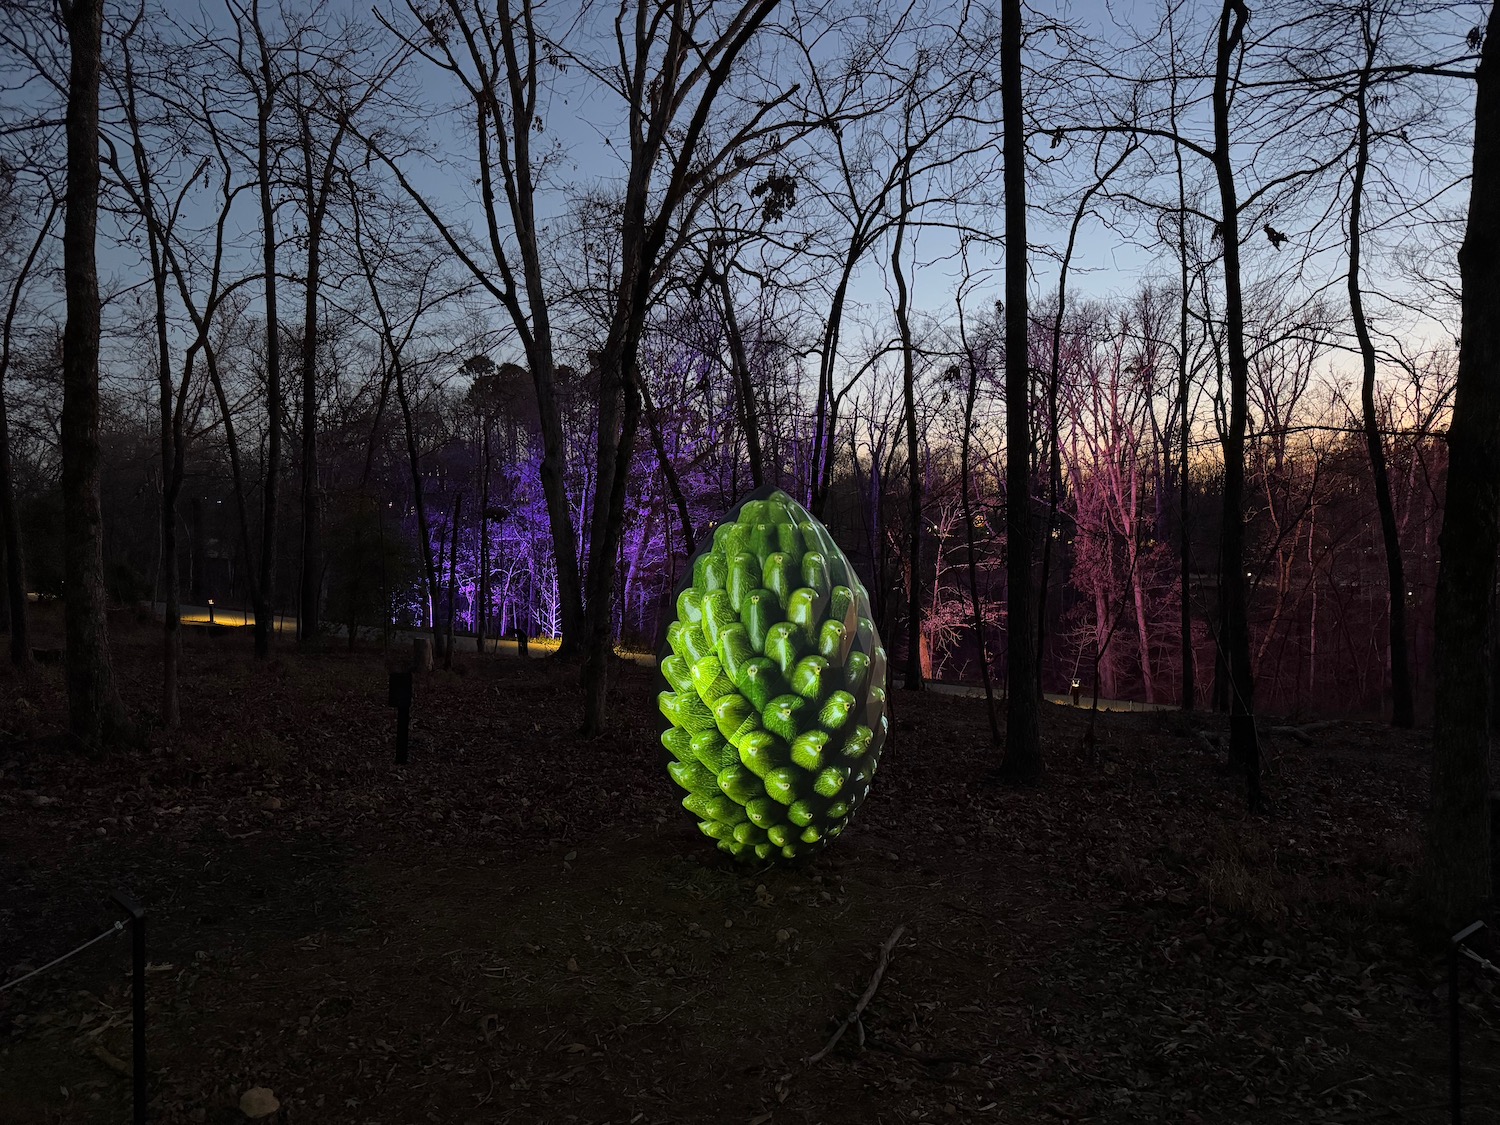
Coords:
pixel 117 928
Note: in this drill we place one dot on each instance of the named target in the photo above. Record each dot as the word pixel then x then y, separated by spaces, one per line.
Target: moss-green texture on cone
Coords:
pixel 775 705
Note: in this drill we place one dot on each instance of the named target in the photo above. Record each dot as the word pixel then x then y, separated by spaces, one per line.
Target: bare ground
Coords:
pixel 524 926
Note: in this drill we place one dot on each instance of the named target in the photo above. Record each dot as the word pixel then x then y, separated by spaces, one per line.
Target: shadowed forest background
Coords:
pixel 360 442
pixel 1146 353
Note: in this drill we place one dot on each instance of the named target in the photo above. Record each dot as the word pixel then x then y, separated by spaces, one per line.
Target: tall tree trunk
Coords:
pixel 482 610
pixel 669 471
pixel 95 712
pixel 1053 442
pixel 310 597
pixel 317 187
pixel 171 438
pixel 619 370
pixel 264 588
pixel 1023 749
pixel 18 613
pixel 1458 826
pixel 1234 629
pixel 971 392
pixel 749 415
pixel 169 404
pixel 1402 709
pixel 914 679
pixel 458 507
pixel 419 501
pixel 1184 444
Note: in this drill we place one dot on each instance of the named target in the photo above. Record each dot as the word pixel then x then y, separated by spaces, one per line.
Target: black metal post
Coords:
pixel 399 697
pixel 1454 1096
pixel 137 1002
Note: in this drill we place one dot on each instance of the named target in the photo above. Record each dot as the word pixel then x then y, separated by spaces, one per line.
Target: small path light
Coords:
pixel 1075 691
pixel 210 611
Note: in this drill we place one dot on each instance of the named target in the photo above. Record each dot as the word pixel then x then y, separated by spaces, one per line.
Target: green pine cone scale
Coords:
pixel 775 708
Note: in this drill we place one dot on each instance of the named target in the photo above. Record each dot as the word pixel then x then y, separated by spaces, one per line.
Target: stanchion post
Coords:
pixel 399 697
pixel 137 1001
pixel 1454 1081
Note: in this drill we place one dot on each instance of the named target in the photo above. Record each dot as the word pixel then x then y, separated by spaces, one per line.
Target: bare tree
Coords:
pixel 331 81
pixel 913 678
pixel 674 60
pixel 974 362
pixel 95 713
pixel 1234 621
pixel 1023 743
pixel 18 614
pixel 138 179
pixel 1402 707
pixel 500 64
pixel 1458 827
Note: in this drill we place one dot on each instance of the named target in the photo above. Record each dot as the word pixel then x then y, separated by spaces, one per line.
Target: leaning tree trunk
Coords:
pixel 1402 708
pixel 668 471
pixel 1023 749
pixel 1458 827
pixel 914 672
pixel 749 415
pixel 94 709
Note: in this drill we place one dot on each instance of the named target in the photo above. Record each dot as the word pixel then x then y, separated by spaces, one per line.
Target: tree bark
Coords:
pixel 749 415
pixel 1187 657
pixel 169 400
pixel 264 587
pixel 482 610
pixel 1023 750
pixel 424 531
pixel 914 674
pixel 1402 708
pixel 669 471
pixel 18 612
pixel 458 507
pixel 971 392
pixel 1458 827
pixel 1234 628
pixel 310 596
pixel 95 713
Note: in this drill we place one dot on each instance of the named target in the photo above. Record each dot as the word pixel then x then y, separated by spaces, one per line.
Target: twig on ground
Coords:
pixel 859 1009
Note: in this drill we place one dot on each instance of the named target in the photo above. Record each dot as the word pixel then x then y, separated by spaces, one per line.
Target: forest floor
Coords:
pixel 522 926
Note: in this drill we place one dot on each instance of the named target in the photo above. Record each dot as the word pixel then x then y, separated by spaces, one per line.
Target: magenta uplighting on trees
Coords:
pixel 775 708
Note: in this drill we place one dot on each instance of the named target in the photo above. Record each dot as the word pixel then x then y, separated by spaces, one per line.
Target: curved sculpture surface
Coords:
pixel 775 705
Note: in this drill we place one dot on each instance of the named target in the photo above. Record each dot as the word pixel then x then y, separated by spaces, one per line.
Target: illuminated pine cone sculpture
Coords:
pixel 776 711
